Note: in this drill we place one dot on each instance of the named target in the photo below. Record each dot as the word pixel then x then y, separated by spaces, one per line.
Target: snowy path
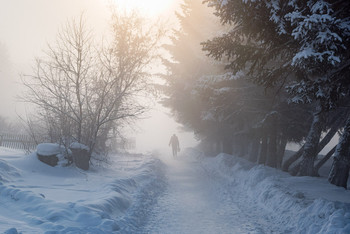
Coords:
pixel 198 202
pixel 139 194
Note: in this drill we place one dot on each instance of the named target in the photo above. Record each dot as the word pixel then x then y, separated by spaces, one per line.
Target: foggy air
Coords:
pixel 174 116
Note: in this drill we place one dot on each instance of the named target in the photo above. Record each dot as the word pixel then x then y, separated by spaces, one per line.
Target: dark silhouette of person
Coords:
pixel 174 142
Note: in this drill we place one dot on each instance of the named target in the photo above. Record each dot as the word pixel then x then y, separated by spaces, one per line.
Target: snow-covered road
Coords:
pixel 197 201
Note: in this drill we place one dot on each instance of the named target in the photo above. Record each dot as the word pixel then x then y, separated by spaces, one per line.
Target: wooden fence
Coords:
pixel 17 141
pixel 25 142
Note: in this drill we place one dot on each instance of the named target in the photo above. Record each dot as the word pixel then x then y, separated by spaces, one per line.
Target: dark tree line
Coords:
pixel 280 75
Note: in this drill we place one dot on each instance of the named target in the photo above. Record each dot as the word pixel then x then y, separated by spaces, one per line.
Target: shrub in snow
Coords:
pixel 81 155
pixel 50 153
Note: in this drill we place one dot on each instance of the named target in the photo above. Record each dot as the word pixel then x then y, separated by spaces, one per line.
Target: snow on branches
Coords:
pixel 319 31
pixel 316 25
pixel 305 91
pixel 306 41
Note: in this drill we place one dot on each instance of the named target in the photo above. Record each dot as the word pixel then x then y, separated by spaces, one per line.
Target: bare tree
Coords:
pixel 82 90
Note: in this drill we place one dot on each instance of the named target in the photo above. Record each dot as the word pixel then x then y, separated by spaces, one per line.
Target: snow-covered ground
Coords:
pixel 198 201
pixel 227 194
pixel 142 194
pixel 37 198
pixel 289 204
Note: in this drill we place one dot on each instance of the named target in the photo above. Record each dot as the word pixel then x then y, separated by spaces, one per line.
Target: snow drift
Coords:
pixel 299 204
pixel 37 198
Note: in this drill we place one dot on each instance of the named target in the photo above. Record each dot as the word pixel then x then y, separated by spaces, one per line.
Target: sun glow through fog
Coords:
pixel 148 7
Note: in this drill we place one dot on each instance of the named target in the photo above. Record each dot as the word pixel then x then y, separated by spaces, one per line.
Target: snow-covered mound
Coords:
pixel 300 204
pixel 77 145
pixel 7 172
pixel 37 198
pixel 48 149
pixel 52 154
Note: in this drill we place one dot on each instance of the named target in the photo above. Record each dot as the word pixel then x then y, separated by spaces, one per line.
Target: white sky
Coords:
pixel 27 26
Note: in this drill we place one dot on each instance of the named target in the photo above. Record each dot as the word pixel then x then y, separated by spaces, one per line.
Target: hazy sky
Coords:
pixel 27 26
pixel 25 29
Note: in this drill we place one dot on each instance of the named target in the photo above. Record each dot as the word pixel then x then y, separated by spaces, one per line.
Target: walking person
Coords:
pixel 175 145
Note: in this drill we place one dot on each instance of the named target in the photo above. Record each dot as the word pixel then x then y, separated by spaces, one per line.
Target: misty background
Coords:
pixel 257 91
pixel 26 27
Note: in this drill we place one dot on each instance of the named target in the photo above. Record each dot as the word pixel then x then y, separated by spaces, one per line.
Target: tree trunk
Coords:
pixel 340 169
pixel 327 138
pixel 294 170
pixel 217 147
pixel 322 144
pixel 311 145
pixel 323 160
pixel 263 150
pixel 272 150
pixel 243 146
pixel 227 145
pixel 280 151
pixel 253 155
pixel 292 159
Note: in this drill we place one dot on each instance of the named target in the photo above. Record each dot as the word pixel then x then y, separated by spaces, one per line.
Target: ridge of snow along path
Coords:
pixel 227 194
pixel 198 201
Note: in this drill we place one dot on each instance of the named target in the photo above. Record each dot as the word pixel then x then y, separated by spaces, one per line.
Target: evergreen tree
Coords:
pixel 187 64
pixel 276 42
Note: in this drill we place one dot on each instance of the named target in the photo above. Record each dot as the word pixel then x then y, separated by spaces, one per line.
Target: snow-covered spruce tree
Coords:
pixel 278 41
pixel 236 112
pixel 83 90
pixel 323 30
pixel 252 114
pixel 187 63
pixel 209 104
pixel 230 102
pixel 247 47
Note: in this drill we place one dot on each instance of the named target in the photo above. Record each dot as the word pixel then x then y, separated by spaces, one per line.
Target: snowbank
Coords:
pixel 49 149
pixel 37 198
pixel 51 154
pixel 7 172
pixel 300 204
